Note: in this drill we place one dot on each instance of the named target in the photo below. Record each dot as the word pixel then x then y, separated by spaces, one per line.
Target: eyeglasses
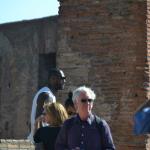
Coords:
pixel 87 100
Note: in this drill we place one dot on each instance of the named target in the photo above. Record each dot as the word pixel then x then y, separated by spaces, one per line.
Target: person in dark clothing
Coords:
pixel 54 114
pixel 56 81
pixel 142 119
pixel 69 105
pixel 82 131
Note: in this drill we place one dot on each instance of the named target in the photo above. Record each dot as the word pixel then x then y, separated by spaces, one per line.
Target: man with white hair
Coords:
pixel 84 131
pixel 56 81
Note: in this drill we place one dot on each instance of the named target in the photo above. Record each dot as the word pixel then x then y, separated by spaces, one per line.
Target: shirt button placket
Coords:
pixel 82 138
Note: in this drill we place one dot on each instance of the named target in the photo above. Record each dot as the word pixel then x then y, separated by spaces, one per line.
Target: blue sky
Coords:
pixel 18 10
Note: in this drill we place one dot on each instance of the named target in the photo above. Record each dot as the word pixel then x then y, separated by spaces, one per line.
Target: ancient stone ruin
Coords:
pixel 103 44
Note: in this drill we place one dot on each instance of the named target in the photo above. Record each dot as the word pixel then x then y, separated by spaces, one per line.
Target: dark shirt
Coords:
pixel 84 134
pixel 47 136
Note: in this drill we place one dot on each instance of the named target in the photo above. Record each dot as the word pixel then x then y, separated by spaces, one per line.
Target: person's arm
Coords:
pixel 61 141
pixel 107 137
pixel 37 136
pixel 38 123
pixel 43 97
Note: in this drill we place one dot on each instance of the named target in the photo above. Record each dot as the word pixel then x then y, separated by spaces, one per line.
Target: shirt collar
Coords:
pixel 89 120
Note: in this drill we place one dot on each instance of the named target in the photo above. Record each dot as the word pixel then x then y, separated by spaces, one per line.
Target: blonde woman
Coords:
pixel 54 114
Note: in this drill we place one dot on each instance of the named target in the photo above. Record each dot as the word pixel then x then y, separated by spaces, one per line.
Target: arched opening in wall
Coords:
pixel 46 61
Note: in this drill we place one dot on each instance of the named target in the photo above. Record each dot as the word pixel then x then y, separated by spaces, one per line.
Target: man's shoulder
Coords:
pixel 69 122
pixel 100 121
pixel 71 119
pixel 45 93
pixel 43 89
pixel 68 125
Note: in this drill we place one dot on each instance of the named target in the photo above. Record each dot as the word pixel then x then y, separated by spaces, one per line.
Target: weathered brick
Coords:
pixel 112 36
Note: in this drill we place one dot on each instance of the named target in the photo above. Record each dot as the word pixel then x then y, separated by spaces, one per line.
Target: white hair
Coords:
pixel 83 89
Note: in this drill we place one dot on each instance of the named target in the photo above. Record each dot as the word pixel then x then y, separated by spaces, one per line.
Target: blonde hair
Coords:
pixel 57 112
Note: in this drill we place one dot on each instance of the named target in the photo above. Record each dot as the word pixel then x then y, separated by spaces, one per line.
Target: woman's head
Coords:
pixel 69 105
pixel 55 114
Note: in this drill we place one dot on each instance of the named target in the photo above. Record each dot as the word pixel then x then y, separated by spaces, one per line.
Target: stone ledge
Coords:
pixel 11 144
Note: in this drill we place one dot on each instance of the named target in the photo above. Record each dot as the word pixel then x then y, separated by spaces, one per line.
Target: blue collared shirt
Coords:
pixel 85 135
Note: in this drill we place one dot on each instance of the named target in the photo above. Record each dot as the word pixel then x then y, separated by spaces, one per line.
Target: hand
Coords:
pixel 38 121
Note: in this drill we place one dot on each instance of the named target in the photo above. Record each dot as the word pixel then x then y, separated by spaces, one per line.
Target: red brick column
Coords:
pixel 148 58
pixel 103 44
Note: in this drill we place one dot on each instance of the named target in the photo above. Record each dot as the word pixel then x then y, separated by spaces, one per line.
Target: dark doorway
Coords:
pixel 46 61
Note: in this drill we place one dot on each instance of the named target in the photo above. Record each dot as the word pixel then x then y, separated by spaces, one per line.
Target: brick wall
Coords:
pixel 148 37
pixel 148 56
pixel 102 44
pixel 21 47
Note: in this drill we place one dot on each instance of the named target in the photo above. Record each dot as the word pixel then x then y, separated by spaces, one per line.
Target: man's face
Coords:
pixel 84 104
pixel 60 83
pixel 57 81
